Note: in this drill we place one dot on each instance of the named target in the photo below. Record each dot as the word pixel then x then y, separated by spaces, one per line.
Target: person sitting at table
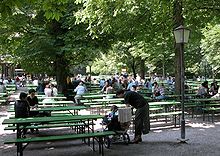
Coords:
pixel 160 92
pixel 107 88
pixel 214 88
pixel 155 89
pixel 54 90
pixel 80 90
pixel 2 87
pixel 203 90
pixel 48 91
pixel 33 102
pixel 22 109
pixel 217 95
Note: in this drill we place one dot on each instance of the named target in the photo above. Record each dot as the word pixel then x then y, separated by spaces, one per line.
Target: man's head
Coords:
pixel 120 93
pixel 22 96
pixel 32 92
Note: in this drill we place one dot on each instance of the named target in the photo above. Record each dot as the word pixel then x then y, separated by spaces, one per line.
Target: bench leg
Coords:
pixel 93 144
pixel 19 149
pixel 101 146
pixel 213 116
pixel 203 115
pixel 175 121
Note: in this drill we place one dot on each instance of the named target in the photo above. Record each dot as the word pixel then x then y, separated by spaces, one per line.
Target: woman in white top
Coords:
pixel 54 90
pixel 48 91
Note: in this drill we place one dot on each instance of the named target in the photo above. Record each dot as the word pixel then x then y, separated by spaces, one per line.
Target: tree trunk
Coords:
pixel 142 69
pixel 61 73
pixel 178 20
pixel 133 68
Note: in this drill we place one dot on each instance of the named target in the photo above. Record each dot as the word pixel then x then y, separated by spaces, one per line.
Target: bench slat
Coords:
pixel 60 137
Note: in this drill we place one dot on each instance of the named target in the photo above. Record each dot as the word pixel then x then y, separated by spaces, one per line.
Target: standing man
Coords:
pixel 142 120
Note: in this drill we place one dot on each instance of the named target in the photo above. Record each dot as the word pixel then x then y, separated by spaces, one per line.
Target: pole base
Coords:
pixel 182 140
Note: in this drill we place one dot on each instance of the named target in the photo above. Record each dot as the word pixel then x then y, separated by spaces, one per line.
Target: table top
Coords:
pixel 205 99
pixel 108 100
pixel 56 102
pixel 164 103
pixel 97 96
pixel 50 119
pixel 53 97
pixel 63 108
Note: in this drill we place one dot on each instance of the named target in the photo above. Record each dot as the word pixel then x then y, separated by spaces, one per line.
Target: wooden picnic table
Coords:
pixel 2 94
pixel 53 97
pixel 21 121
pixel 163 103
pixel 108 100
pixel 205 99
pixel 52 102
pixel 62 108
pixel 95 96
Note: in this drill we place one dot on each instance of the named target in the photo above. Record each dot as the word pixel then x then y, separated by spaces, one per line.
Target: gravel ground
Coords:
pixel 203 140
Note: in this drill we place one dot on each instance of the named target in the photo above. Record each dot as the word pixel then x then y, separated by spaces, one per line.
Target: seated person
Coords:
pixel 2 88
pixel 48 91
pixel 111 120
pixel 214 88
pixel 203 90
pixel 217 95
pixel 33 102
pixel 22 109
pixel 54 90
pixel 160 93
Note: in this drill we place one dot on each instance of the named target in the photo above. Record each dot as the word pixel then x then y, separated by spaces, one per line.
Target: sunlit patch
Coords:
pixel 6 146
pixel 202 125
pixel 158 131
pixel 175 129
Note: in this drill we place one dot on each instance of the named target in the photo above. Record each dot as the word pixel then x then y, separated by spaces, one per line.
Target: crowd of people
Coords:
pixel 205 91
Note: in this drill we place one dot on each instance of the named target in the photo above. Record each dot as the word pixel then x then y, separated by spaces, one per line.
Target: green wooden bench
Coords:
pixel 98 136
pixel 210 110
pixel 166 114
pixel 78 125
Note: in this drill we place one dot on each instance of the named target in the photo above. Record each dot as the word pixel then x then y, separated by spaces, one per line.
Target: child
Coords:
pixel 111 120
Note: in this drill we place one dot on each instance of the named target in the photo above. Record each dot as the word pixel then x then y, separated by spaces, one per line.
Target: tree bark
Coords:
pixel 133 67
pixel 142 69
pixel 61 73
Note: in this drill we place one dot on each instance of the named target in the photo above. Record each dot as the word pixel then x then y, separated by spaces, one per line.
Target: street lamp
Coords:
pixel 181 37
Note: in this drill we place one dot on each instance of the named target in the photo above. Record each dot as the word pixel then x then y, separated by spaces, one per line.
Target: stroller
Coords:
pixel 118 121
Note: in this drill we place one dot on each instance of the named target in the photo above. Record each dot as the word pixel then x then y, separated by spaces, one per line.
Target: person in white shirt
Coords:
pixel 48 91
pixel 2 87
pixel 80 90
pixel 54 90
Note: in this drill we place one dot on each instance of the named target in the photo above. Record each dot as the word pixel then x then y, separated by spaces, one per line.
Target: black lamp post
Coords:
pixel 181 36
pixel 90 72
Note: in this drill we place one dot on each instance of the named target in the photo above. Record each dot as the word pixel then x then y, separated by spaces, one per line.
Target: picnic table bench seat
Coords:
pixel 166 114
pixel 98 136
pixel 78 126
pixel 210 110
